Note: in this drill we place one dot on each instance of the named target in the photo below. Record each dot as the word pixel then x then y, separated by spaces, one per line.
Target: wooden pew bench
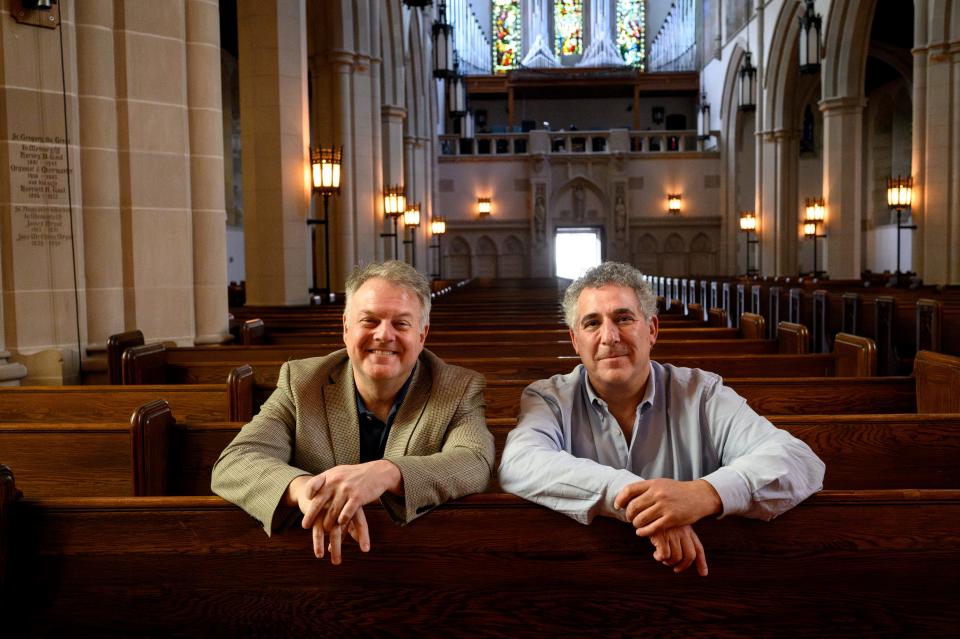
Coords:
pixel 196 402
pixel 154 455
pixel 840 564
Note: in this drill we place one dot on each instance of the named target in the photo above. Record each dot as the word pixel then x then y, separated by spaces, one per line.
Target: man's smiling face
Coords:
pixel 613 338
pixel 382 331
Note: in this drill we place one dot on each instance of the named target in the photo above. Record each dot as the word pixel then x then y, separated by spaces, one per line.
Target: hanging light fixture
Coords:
pixel 810 52
pixel 442 44
pixel 456 90
pixel 748 85
pixel 468 127
pixel 703 118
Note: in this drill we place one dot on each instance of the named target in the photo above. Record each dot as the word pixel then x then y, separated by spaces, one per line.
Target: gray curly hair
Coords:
pixel 395 272
pixel 617 274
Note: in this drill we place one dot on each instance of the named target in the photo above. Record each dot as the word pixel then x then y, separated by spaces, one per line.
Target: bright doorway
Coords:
pixel 577 249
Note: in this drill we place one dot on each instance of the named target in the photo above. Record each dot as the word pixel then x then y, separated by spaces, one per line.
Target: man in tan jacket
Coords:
pixel 381 419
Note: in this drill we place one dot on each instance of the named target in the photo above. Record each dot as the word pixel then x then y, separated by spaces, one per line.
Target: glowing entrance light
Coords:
pixel 576 250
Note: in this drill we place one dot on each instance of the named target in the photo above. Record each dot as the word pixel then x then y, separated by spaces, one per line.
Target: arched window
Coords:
pixel 568 27
pixel 506 34
pixel 630 34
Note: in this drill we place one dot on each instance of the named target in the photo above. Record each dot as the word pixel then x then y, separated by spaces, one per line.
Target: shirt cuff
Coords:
pixel 614 486
pixel 733 490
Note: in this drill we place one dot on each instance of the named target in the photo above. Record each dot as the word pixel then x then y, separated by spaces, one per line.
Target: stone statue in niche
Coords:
pixel 620 214
pixel 540 215
pixel 579 201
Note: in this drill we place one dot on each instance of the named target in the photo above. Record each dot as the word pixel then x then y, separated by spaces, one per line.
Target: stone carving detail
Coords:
pixel 540 215
pixel 620 213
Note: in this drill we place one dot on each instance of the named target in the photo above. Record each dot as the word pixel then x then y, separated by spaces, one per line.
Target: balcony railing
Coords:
pixel 571 143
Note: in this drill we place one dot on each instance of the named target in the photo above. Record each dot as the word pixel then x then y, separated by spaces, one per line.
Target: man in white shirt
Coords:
pixel 655 445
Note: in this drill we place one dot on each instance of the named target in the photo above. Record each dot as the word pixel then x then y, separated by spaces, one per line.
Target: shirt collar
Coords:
pixel 649 394
pixel 362 409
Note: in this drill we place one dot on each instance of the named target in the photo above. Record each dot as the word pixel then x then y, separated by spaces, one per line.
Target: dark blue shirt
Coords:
pixel 373 432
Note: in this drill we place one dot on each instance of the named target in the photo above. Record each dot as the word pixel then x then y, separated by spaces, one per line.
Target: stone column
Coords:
pixel 842 184
pixel 204 111
pixel 344 243
pixel 102 223
pixel 40 234
pixel 771 224
pixel 786 202
pixel 276 173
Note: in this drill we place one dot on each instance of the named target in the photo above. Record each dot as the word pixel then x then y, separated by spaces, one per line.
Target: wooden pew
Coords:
pixel 86 404
pixel 156 365
pixel 176 458
pixel 842 563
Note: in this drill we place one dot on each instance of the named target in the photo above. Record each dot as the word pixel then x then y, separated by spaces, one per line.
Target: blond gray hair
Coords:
pixel 609 273
pixel 397 273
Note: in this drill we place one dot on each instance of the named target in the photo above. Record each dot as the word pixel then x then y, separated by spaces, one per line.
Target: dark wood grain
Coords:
pixel 840 564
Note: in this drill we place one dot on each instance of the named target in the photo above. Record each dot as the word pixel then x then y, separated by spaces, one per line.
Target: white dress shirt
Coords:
pixel 568 452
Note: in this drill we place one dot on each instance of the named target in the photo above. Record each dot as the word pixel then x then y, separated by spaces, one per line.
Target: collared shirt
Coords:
pixel 373 432
pixel 568 452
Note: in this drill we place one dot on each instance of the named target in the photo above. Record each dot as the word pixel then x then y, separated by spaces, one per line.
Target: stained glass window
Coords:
pixel 630 34
pixel 568 27
pixel 506 34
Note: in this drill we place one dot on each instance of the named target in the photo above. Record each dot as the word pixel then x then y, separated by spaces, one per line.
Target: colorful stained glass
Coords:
pixel 568 27
pixel 630 34
pixel 506 34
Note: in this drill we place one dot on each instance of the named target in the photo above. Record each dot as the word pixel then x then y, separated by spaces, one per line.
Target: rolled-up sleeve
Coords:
pixel 764 471
pixel 537 465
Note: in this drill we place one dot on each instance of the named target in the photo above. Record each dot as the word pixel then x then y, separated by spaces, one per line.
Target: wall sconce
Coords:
pixel 810 53
pixel 325 165
pixel 814 214
pixel 748 224
pixel 394 205
pixel 673 203
pixel 899 197
pixel 411 220
pixel 483 206
pixel 438 226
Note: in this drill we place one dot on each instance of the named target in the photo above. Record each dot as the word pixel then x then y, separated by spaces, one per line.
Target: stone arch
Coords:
pixel 674 257
pixel 391 47
pixel 457 261
pixel 646 254
pixel 563 204
pixel 846 41
pixel 512 259
pixel 780 76
pixel 485 258
pixel 738 152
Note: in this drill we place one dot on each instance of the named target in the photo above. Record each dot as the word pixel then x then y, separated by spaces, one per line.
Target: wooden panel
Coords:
pixel 196 402
pixel 843 563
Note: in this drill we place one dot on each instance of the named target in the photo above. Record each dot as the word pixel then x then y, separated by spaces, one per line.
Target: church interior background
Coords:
pixel 152 153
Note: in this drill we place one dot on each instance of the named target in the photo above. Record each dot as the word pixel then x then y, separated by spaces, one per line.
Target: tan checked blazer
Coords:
pixel 439 438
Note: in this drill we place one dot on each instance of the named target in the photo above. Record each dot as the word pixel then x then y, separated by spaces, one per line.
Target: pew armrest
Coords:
pixel 793 339
pixel 150 428
pixel 240 393
pixel 116 345
pixel 145 364
pixel 753 326
pixel 855 356
pixel 938 378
